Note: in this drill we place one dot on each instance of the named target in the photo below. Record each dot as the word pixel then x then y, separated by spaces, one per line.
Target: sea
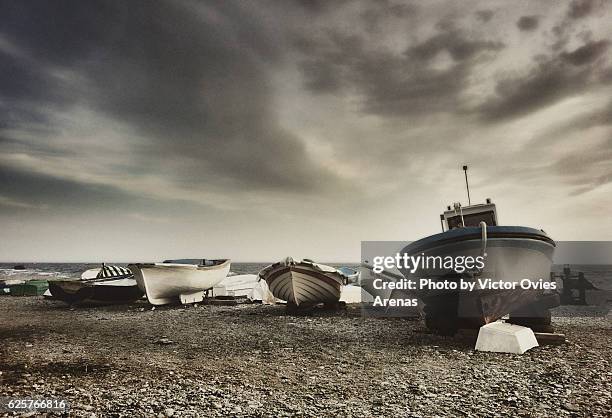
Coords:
pixel 600 275
pixel 49 271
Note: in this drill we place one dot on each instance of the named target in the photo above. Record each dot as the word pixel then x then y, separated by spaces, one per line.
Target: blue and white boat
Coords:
pixel 517 259
pixel 351 274
pixel 511 273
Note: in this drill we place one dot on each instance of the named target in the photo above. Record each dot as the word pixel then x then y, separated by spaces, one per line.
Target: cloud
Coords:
pixel 592 117
pixel 587 53
pixel 528 23
pixel 484 15
pixel 588 168
pixel 377 16
pixel 389 83
pixel 146 218
pixel 550 80
pixel 579 9
pixel 455 43
pixel 18 204
pixel 228 121
pixel 189 78
pixel 317 6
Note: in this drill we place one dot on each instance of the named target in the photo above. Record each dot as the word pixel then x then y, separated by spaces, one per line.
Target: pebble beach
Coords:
pixel 256 360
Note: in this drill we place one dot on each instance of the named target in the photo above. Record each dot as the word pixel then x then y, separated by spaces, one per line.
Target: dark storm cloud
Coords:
pixel 485 15
pixel 229 121
pixel 528 23
pixel 34 191
pixel 577 11
pixel 316 6
pixel 549 81
pixel 376 16
pixel 586 54
pixel 394 84
pixel 188 77
pixel 582 8
pixel 32 196
pixel 455 43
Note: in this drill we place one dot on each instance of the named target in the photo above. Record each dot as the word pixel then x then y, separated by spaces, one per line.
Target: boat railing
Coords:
pixel 483 239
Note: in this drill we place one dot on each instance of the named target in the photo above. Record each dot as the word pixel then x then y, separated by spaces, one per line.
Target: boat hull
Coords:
pixel 74 292
pixel 165 283
pixel 514 255
pixel 304 283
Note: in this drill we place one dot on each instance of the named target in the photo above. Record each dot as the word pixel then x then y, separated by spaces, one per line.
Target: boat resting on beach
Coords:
pixel 352 275
pixel 304 283
pixel 184 280
pixel 518 258
pixel 105 285
pixel 247 286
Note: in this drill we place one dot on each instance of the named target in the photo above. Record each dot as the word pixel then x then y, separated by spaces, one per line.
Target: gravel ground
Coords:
pixel 254 360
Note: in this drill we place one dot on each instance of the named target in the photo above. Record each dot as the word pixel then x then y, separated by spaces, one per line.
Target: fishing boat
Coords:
pixel 247 286
pixel 105 285
pixel 352 275
pixel 303 283
pixel 517 258
pixel 184 280
pixel 6 284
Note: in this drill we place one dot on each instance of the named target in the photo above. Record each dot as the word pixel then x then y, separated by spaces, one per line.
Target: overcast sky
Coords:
pixel 253 130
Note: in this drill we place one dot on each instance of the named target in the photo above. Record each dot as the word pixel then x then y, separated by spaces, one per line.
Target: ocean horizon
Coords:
pixel 600 275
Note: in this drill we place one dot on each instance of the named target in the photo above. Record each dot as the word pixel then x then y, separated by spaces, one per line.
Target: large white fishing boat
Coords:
pixel 517 258
pixel 184 280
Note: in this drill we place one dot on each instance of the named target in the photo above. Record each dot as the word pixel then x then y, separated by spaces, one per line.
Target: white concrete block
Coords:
pixel 500 337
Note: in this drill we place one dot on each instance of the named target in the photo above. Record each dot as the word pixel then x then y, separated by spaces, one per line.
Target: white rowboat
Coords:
pixel 181 280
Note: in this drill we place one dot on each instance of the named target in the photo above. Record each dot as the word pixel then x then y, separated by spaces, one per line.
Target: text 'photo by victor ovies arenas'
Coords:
pixel 309 208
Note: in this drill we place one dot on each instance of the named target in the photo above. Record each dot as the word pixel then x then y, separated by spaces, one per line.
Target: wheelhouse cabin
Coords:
pixel 465 216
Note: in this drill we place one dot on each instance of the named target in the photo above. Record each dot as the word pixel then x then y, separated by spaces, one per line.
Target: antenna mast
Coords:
pixel 467 186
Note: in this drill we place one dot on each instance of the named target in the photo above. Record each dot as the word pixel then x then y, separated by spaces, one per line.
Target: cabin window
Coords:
pixel 454 222
pixel 472 220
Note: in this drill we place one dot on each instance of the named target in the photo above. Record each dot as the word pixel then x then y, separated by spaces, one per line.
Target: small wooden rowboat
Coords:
pixel 303 283
pixel 179 280
pixel 107 285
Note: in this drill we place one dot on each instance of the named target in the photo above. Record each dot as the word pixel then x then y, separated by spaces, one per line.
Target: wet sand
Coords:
pixel 254 360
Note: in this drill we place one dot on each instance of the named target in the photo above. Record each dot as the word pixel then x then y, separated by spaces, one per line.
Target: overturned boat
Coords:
pixel 105 285
pixel 304 283
pixel 184 280
pixel 247 286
